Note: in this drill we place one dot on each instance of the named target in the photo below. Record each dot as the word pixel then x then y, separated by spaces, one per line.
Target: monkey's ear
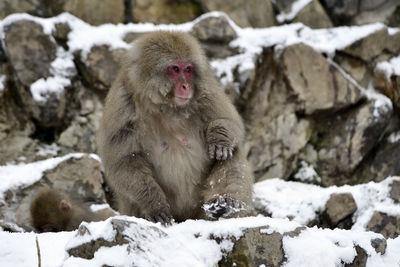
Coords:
pixel 64 205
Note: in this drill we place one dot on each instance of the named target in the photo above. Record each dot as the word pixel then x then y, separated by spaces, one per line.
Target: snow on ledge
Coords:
pixel 389 68
pixel 294 10
pixel 303 202
pixel 23 175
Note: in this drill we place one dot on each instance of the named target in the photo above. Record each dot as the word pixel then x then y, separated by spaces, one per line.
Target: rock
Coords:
pixel 165 11
pixel 359 11
pixel 8 7
pixel 381 163
pixel 214 30
pixel 339 208
pixel 256 248
pixel 257 13
pixel 88 249
pixel 81 177
pixel 395 191
pixel 312 14
pixel 100 67
pixel 275 133
pixel 379 245
pixel 394 19
pixel 60 34
pixel 388 226
pixel 30 51
pixel 373 45
pixel 360 260
pixel 339 151
pixel 95 12
pixel 81 132
pixel 304 68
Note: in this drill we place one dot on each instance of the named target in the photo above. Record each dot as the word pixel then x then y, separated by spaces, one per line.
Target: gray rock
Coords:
pixel 338 208
pixel 379 245
pixel 395 191
pixel 388 226
pixel 30 51
pixel 390 86
pixel 360 260
pixel 314 16
pixel 214 30
pixel 256 13
pixel 100 67
pixel 359 11
pixel 341 151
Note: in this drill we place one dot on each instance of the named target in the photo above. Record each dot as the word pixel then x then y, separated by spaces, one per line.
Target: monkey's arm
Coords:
pixel 224 130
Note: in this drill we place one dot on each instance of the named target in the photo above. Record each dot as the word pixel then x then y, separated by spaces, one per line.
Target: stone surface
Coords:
pixel 388 226
pixel 314 16
pixel 256 13
pixel 360 11
pixel 214 30
pixel 100 67
pixel 395 191
pixel 165 11
pixel 338 208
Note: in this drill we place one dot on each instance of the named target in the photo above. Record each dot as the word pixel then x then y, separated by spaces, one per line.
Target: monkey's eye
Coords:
pixel 175 69
pixel 188 69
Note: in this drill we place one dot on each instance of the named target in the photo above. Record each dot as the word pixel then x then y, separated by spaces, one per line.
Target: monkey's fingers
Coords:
pixel 211 151
pixel 219 154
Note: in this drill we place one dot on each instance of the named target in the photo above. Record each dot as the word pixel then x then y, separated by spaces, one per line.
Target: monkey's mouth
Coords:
pixel 181 101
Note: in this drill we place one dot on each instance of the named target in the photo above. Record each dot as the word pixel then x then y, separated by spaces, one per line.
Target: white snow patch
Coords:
pixel 43 88
pixel 97 207
pixel 294 10
pixel 22 175
pixel 307 173
pixel 47 150
pixel 394 137
pixel 2 80
pixel 389 68
pixel 302 202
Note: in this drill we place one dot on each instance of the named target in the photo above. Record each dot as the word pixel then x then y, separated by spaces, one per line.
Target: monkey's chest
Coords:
pixel 180 164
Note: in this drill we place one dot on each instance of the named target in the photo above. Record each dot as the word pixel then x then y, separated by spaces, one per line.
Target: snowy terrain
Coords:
pixel 188 243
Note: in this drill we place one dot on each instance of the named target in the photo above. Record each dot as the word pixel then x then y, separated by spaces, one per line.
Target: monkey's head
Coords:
pixel 167 68
pixel 50 211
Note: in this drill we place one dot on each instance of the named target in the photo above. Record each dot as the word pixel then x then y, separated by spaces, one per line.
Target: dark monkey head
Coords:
pixel 166 69
pixel 50 211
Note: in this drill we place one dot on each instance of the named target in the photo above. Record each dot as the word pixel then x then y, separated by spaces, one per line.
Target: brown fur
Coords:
pixel 54 211
pixel 151 171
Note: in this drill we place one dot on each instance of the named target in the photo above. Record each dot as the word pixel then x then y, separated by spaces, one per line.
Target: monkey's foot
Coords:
pixel 163 216
pixel 219 152
pixel 222 206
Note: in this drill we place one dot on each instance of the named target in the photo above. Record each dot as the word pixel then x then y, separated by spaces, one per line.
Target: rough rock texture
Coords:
pixel 81 177
pixel 165 11
pixel 339 208
pixel 257 13
pixel 100 67
pixel 388 226
pixel 257 247
pixel 360 11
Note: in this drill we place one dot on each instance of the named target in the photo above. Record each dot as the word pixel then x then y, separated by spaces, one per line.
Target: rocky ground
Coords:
pixel 320 102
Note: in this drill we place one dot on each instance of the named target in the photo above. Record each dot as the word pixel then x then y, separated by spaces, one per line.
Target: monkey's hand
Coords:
pixel 222 206
pixel 162 215
pixel 220 142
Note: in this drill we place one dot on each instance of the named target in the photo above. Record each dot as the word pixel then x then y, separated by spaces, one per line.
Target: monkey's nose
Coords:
pixel 184 87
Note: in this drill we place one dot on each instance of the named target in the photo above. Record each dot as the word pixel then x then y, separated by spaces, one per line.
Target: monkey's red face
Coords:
pixel 181 75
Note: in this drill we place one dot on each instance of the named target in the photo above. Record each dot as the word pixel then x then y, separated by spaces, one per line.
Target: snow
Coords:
pixel 47 150
pixel 389 68
pixel 2 80
pixel 307 173
pixel 295 9
pixel 25 174
pixel 394 137
pixel 303 202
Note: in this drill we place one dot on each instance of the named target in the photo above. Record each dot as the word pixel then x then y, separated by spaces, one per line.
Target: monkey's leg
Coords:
pixel 134 187
pixel 228 190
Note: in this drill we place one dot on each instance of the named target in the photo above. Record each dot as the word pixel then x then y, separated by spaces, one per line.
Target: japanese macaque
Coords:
pixel 170 139
pixel 54 211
